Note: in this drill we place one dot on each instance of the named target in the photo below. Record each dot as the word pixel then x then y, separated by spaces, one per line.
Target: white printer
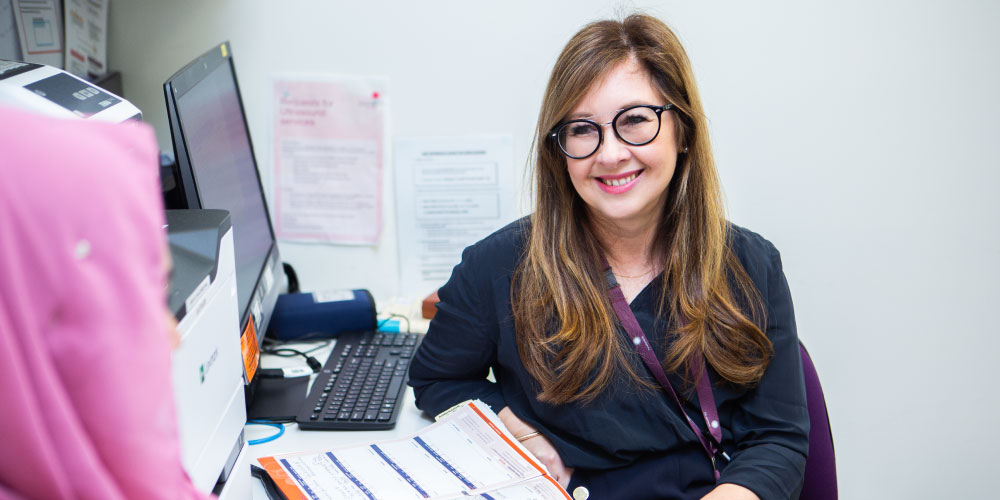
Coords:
pixel 54 92
pixel 208 364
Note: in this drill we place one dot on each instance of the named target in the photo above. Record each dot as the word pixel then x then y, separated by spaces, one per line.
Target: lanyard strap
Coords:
pixel 706 399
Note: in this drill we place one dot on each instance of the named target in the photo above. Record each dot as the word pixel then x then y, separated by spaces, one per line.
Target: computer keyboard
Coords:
pixel 362 383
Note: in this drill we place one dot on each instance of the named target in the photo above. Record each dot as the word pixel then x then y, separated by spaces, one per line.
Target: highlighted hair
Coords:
pixel 566 328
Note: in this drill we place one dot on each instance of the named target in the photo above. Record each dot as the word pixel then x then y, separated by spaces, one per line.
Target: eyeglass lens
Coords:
pixel 636 126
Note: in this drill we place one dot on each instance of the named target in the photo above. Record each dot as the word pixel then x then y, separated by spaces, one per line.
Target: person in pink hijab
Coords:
pixel 86 404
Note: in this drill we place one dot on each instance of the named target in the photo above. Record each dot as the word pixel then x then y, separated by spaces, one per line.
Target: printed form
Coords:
pixel 450 193
pixel 465 454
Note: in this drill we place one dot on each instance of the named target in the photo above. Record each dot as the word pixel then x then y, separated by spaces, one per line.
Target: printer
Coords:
pixel 57 93
pixel 208 364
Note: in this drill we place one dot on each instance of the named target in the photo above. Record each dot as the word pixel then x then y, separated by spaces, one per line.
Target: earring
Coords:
pixel 685 150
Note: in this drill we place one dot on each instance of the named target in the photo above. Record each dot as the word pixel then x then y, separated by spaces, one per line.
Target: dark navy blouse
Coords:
pixel 765 429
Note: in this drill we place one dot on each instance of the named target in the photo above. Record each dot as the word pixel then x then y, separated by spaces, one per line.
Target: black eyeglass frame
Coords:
pixel 554 133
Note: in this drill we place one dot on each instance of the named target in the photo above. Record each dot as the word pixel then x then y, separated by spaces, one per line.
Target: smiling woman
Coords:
pixel 623 181
pixel 642 346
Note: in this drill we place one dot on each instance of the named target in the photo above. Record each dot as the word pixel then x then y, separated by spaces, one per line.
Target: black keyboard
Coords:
pixel 362 383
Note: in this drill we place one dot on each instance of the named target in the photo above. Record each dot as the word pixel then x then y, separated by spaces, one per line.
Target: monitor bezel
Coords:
pixel 174 88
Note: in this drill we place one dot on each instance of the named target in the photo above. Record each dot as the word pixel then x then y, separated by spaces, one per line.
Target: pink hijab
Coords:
pixel 86 405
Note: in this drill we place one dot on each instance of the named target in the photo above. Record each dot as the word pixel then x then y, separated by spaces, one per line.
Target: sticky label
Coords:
pixel 248 344
pixel 332 295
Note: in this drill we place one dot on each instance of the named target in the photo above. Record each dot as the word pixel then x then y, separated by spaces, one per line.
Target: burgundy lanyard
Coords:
pixel 705 397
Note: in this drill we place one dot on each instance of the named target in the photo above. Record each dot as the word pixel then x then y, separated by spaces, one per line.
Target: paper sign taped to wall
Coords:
pixel 39 31
pixel 450 193
pixel 329 134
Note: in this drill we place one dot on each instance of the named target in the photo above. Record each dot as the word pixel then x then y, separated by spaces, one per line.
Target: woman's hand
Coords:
pixel 728 491
pixel 538 445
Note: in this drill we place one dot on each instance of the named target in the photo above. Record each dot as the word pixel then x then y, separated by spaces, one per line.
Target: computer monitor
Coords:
pixel 216 168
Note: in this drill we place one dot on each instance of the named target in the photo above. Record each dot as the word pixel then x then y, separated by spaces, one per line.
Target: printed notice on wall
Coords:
pixel 10 47
pixel 450 193
pixel 86 37
pixel 39 31
pixel 328 137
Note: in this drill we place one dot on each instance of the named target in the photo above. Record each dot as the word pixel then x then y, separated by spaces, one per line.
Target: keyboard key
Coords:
pixel 395 385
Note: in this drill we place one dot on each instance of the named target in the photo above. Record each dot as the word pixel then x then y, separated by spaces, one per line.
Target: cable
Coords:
pixel 288 352
pixel 273 493
pixel 272 437
pixel 311 338
pixel 293 278
pixel 320 345
pixel 396 315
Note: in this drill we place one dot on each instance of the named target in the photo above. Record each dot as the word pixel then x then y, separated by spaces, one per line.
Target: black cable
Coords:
pixel 293 278
pixel 287 352
pixel 320 345
pixel 273 493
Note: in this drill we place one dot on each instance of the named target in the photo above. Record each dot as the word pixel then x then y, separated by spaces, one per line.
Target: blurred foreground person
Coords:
pixel 88 409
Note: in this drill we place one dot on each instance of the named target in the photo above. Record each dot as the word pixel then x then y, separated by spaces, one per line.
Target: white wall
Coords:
pixel 860 137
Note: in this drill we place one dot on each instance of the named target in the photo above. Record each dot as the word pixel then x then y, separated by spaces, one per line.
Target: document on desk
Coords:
pixel 328 137
pixel 468 453
pixel 450 193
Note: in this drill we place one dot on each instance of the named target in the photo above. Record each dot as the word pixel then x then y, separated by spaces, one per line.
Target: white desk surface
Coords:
pixel 410 420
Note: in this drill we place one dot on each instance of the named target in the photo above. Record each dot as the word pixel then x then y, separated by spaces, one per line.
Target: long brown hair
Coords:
pixel 566 328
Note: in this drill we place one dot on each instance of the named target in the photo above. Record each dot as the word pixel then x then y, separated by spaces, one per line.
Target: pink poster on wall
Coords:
pixel 328 137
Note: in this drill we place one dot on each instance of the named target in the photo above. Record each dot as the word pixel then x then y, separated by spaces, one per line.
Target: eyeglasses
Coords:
pixel 635 125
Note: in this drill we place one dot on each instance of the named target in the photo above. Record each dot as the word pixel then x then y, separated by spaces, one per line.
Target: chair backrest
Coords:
pixel 821 468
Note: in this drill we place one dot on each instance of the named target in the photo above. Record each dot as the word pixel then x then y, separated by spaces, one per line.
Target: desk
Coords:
pixel 410 420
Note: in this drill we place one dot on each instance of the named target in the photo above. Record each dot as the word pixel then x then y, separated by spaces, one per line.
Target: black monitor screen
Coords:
pixel 223 164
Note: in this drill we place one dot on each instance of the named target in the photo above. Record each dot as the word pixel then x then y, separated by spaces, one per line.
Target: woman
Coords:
pixel 624 178
pixel 84 331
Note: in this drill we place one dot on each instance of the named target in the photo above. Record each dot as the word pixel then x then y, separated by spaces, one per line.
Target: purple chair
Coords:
pixel 820 481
